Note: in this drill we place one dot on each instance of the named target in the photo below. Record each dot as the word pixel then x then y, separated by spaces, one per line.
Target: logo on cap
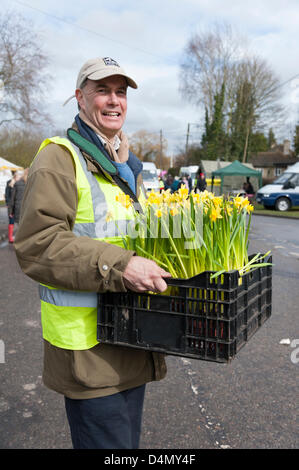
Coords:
pixel 109 61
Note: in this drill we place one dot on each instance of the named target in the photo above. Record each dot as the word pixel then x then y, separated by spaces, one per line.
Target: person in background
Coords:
pixel 8 192
pixel 189 183
pixel 201 183
pixel 176 184
pixel 168 181
pixel 161 183
pixel 248 188
pixel 186 180
pixel 16 199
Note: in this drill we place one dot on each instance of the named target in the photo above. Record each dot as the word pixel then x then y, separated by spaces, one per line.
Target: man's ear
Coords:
pixel 79 97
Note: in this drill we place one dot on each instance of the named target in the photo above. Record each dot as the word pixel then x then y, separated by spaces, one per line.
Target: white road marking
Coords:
pixel 29 386
pixel 214 429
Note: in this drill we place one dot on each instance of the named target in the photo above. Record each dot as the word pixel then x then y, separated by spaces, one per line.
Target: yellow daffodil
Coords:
pixel 109 216
pixel 215 214
pixel 183 192
pixel 228 210
pixel 212 219
pixel 154 198
pixel 124 200
pixel 217 201
pixel 196 198
pixel 238 200
pixel 174 211
pixel 245 202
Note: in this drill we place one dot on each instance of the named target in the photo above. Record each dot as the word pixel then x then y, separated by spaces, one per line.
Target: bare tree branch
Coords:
pixel 22 71
pixel 221 56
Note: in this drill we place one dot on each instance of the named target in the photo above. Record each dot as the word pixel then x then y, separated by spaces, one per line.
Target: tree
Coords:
pixel 220 57
pixel 150 147
pixel 208 62
pixel 258 143
pixel 271 138
pixel 193 157
pixel 242 121
pixel 206 135
pixel 213 140
pixel 20 146
pixel 22 72
pixel 296 140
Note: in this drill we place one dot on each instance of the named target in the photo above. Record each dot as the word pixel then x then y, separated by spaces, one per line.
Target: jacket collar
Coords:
pixel 133 162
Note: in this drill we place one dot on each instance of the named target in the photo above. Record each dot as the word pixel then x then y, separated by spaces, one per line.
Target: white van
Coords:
pixel 189 170
pixel 283 193
pixel 150 176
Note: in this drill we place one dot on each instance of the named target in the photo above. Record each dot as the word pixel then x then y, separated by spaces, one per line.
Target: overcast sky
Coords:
pixel 147 37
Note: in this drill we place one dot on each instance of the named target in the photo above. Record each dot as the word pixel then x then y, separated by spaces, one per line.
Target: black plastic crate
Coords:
pixel 201 318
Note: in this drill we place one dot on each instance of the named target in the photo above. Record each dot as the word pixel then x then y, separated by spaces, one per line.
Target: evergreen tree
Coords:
pixel 258 143
pixel 242 121
pixel 206 134
pixel 213 140
pixel 296 141
pixel 271 138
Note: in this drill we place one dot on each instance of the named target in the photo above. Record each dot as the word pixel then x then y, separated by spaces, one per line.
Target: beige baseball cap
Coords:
pixel 96 69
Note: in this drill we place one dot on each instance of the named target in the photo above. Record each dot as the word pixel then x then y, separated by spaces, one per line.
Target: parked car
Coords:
pixel 283 193
pixel 150 177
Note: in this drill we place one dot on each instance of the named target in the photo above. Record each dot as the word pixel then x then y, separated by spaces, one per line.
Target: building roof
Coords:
pixel 270 159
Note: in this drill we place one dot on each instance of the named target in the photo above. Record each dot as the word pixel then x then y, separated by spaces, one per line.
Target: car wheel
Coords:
pixel 282 204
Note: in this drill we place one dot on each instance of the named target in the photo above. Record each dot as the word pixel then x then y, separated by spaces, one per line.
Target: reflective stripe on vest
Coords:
pixel 69 318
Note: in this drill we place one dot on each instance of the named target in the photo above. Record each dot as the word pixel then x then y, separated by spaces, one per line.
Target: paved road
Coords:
pixel 249 403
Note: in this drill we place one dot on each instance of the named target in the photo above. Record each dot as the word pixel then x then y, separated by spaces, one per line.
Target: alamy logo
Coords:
pixel 109 61
pixel 295 353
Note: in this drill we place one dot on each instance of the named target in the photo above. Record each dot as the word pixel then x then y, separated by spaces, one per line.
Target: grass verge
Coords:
pixel 260 210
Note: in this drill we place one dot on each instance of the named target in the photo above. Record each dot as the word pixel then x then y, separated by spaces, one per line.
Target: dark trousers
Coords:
pixel 112 422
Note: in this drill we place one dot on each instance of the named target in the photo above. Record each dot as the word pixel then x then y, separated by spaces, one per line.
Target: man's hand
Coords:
pixel 143 275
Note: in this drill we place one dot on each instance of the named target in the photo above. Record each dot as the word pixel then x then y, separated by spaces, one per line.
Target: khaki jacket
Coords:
pixel 50 253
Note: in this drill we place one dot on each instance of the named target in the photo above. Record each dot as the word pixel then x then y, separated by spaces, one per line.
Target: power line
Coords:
pixel 287 81
pixel 50 15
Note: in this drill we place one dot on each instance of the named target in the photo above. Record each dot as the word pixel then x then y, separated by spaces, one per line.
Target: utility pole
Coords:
pixel 187 138
pixel 161 149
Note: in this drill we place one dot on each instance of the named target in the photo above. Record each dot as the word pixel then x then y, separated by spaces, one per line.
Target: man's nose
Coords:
pixel 113 98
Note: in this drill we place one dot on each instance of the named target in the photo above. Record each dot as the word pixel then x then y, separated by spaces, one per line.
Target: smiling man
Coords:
pixel 104 103
pixel 65 244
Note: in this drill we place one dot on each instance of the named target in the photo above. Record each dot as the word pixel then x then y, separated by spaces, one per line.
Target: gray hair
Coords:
pixel 81 88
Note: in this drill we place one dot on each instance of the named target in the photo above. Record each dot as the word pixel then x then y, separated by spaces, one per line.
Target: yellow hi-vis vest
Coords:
pixel 69 318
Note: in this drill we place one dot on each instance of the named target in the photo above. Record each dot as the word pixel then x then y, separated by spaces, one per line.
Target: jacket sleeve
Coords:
pixel 7 193
pixel 11 202
pixel 46 248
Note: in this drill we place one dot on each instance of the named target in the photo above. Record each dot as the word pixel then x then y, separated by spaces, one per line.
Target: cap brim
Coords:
pixel 101 75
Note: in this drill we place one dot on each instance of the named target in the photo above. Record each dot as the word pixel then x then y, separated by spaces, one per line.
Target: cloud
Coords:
pixel 148 39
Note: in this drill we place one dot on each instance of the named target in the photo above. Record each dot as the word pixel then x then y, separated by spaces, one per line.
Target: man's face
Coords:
pixel 104 103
